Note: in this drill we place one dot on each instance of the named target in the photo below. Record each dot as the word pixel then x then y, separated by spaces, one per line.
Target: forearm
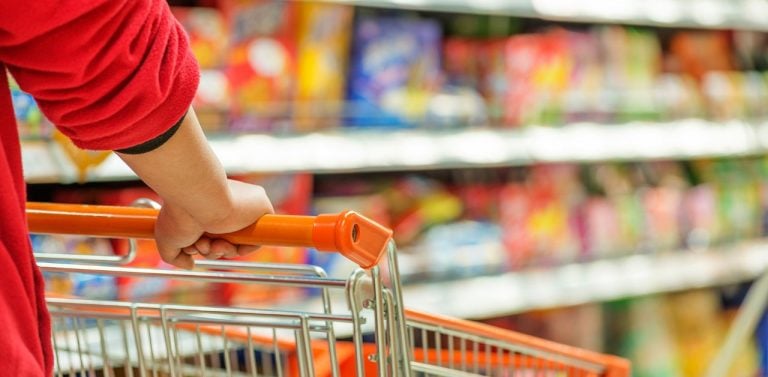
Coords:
pixel 185 172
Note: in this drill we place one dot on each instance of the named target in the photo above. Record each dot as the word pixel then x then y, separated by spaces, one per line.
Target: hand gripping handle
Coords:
pixel 356 237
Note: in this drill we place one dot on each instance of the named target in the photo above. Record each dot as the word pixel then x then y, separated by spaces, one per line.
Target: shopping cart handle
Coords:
pixel 358 238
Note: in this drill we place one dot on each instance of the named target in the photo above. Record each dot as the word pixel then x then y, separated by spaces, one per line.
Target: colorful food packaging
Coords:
pixel 323 52
pixel 261 63
pixel 394 69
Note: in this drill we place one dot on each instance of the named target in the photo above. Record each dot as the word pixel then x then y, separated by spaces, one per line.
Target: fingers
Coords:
pixel 203 245
pixel 223 248
pixel 211 249
pixel 181 258
pixel 246 249
pixel 184 260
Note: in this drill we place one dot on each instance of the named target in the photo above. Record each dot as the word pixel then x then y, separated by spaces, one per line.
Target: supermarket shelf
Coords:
pixel 573 284
pixel 706 14
pixel 377 150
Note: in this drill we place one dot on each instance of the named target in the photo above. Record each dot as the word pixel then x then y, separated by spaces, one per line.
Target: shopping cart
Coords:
pixel 373 335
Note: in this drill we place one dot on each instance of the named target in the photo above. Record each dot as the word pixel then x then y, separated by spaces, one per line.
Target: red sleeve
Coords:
pixel 110 74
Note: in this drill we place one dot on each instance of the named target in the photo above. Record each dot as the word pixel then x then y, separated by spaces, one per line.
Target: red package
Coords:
pixel 538 69
pixel 514 213
pixel 699 52
pixel 461 61
pixel 261 64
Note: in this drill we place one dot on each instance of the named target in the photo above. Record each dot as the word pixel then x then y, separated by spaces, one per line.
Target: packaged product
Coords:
pixel 394 69
pixel 698 52
pixel 761 336
pixel 493 83
pixel 602 227
pixel 677 96
pixel 261 63
pixel 462 61
pixel 739 198
pixel 699 326
pixel 208 40
pixel 514 213
pixel 724 95
pixel 699 218
pixel 212 101
pixel 755 94
pixel 323 51
pixel 641 330
pixel 207 34
pixel 643 64
pixel 538 68
pixel 463 249
pixel 583 99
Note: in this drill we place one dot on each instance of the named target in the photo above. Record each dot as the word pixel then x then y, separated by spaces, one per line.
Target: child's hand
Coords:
pixel 180 236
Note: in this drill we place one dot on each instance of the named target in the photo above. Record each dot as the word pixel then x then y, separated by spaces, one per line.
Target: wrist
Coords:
pixel 181 217
pixel 211 212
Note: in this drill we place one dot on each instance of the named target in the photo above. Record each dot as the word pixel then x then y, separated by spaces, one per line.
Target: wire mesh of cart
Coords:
pixel 371 334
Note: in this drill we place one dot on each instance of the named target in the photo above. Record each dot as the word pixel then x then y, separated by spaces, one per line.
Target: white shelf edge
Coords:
pixel 403 150
pixel 707 14
pixel 582 283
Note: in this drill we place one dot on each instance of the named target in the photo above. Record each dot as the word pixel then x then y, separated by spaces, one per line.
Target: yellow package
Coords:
pixel 324 37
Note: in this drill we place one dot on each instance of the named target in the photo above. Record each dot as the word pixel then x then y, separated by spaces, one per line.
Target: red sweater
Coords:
pixel 110 74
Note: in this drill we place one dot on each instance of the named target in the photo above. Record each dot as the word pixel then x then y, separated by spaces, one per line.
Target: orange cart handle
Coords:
pixel 358 238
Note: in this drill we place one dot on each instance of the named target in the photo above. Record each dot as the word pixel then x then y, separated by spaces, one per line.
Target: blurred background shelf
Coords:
pixel 591 282
pixel 408 150
pixel 705 14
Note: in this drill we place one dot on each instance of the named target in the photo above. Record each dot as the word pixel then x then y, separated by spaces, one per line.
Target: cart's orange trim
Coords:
pixel 614 366
pixel 353 235
pixel 447 358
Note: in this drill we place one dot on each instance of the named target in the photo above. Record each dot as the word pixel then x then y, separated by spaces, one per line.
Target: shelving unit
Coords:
pixel 705 14
pixel 379 151
pixel 597 281
pixel 581 283
pixel 387 150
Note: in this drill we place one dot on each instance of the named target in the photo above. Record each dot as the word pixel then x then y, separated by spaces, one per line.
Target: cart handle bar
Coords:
pixel 356 237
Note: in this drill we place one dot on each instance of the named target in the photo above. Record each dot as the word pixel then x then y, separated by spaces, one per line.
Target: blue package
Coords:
pixel 395 64
pixel 464 249
pixel 761 336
